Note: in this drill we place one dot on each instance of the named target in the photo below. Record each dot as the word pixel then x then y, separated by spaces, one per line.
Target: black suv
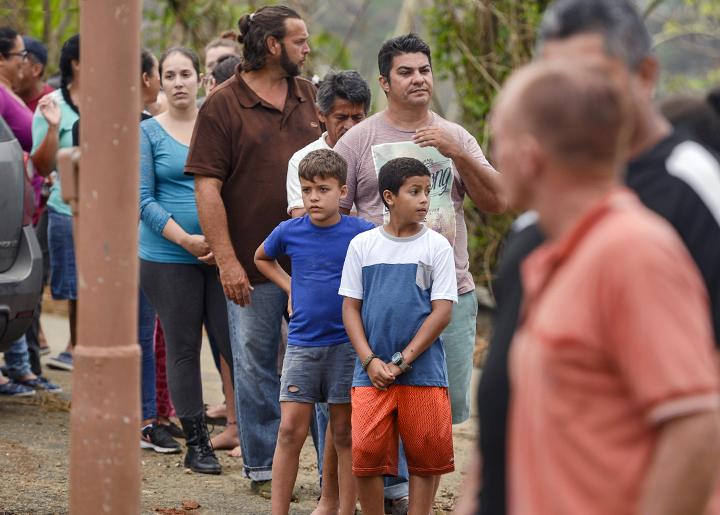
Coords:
pixel 20 255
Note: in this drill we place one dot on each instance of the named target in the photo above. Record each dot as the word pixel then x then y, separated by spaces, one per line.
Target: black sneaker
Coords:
pixel 155 437
pixel 173 430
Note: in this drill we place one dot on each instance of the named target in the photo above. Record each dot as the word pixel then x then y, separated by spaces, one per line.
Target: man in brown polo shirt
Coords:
pixel 244 136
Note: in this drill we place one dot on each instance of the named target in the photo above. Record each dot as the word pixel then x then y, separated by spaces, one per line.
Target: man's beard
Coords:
pixel 292 69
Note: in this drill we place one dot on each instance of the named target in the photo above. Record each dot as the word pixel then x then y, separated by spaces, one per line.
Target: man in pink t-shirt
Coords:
pixel 615 406
pixel 408 128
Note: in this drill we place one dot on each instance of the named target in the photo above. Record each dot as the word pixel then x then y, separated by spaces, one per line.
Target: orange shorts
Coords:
pixel 420 415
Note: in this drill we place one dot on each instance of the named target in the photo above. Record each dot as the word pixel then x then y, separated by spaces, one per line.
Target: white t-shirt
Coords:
pixel 294 195
pixel 397 279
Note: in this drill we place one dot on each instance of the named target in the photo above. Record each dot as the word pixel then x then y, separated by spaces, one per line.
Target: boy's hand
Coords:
pixel 289 306
pixel 380 375
pixel 394 369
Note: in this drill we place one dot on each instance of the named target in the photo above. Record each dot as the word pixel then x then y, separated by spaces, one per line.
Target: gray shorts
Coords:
pixel 317 374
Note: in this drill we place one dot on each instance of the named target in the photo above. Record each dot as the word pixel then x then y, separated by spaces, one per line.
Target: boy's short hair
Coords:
pixel 323 163
pixel 395 172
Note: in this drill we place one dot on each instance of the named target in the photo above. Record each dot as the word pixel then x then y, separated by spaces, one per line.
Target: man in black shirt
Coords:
pixel 673 176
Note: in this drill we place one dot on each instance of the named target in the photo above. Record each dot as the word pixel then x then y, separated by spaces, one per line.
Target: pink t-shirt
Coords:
pixel 615 340
pixel 370 144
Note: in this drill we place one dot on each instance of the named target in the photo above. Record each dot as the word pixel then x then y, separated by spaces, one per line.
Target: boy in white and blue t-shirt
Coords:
pixel 399 286
pixel 319 360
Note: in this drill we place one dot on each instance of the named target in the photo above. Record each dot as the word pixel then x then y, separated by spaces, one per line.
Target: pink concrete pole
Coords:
pixel 105 416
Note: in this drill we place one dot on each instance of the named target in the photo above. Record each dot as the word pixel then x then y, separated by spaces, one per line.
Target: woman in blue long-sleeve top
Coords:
pixel 177 271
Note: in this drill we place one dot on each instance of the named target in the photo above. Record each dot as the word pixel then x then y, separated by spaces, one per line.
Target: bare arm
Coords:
pixel 44 156
pixel 271 269
pixel 482 181
pixel 684 468
pixel 213 220
pixel 378 372
pixel 195 244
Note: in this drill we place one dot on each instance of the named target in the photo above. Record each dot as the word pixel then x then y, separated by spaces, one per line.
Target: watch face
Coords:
pixel 397 359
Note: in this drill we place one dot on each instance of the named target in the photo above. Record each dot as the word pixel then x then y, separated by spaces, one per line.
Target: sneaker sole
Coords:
pixel 22 394
pixel 157 448
pixel 59 365
pixel 211 472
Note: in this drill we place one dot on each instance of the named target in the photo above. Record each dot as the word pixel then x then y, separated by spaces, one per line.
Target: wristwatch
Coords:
pixel 366 362
pixel 397 360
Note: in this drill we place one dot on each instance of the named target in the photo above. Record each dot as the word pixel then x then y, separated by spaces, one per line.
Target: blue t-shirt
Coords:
pixel 165 192
pixel 397 279
pixel 317 255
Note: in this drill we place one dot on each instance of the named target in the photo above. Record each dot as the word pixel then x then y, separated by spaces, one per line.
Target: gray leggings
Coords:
pixel 184 296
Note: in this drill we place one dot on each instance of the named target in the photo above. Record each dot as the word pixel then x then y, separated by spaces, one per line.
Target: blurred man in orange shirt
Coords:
pixel 615 406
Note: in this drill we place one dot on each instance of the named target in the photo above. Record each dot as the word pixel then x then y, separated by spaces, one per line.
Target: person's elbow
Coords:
pixel 442 309
pixel 350 306
pixel 259 257
pixel 41 165
pixel 497 201
pixel 207 188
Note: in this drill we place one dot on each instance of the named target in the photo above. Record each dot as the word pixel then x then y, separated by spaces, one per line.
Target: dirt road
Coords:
pixel 34 459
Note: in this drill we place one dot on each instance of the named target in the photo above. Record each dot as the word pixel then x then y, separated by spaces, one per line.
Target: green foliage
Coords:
pixel 50 21
pixel 191 23
pixel 477 44
pixel 687 45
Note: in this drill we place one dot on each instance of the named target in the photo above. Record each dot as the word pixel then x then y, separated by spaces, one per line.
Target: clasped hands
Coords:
pixel 382 374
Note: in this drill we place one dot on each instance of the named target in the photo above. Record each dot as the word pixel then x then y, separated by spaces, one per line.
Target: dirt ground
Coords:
pixel 34 436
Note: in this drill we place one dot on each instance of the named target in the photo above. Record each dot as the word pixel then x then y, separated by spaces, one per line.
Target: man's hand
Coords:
pixel 438 138
pixel 50 111
pixel 380 375
pixel 289 306
pixel 235 282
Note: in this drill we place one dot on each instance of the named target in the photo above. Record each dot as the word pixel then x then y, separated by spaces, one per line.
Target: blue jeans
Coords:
pixel 17 358
pixel 395 487
pixel 254 337
pixel 459 342
pixel 61 243
pixel 146 333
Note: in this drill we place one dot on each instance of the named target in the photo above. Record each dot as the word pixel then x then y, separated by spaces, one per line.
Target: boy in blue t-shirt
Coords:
pixel 319 360
pixel 399 286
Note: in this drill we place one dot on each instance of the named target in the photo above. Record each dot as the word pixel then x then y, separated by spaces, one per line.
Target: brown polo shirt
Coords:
pixel 246 143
